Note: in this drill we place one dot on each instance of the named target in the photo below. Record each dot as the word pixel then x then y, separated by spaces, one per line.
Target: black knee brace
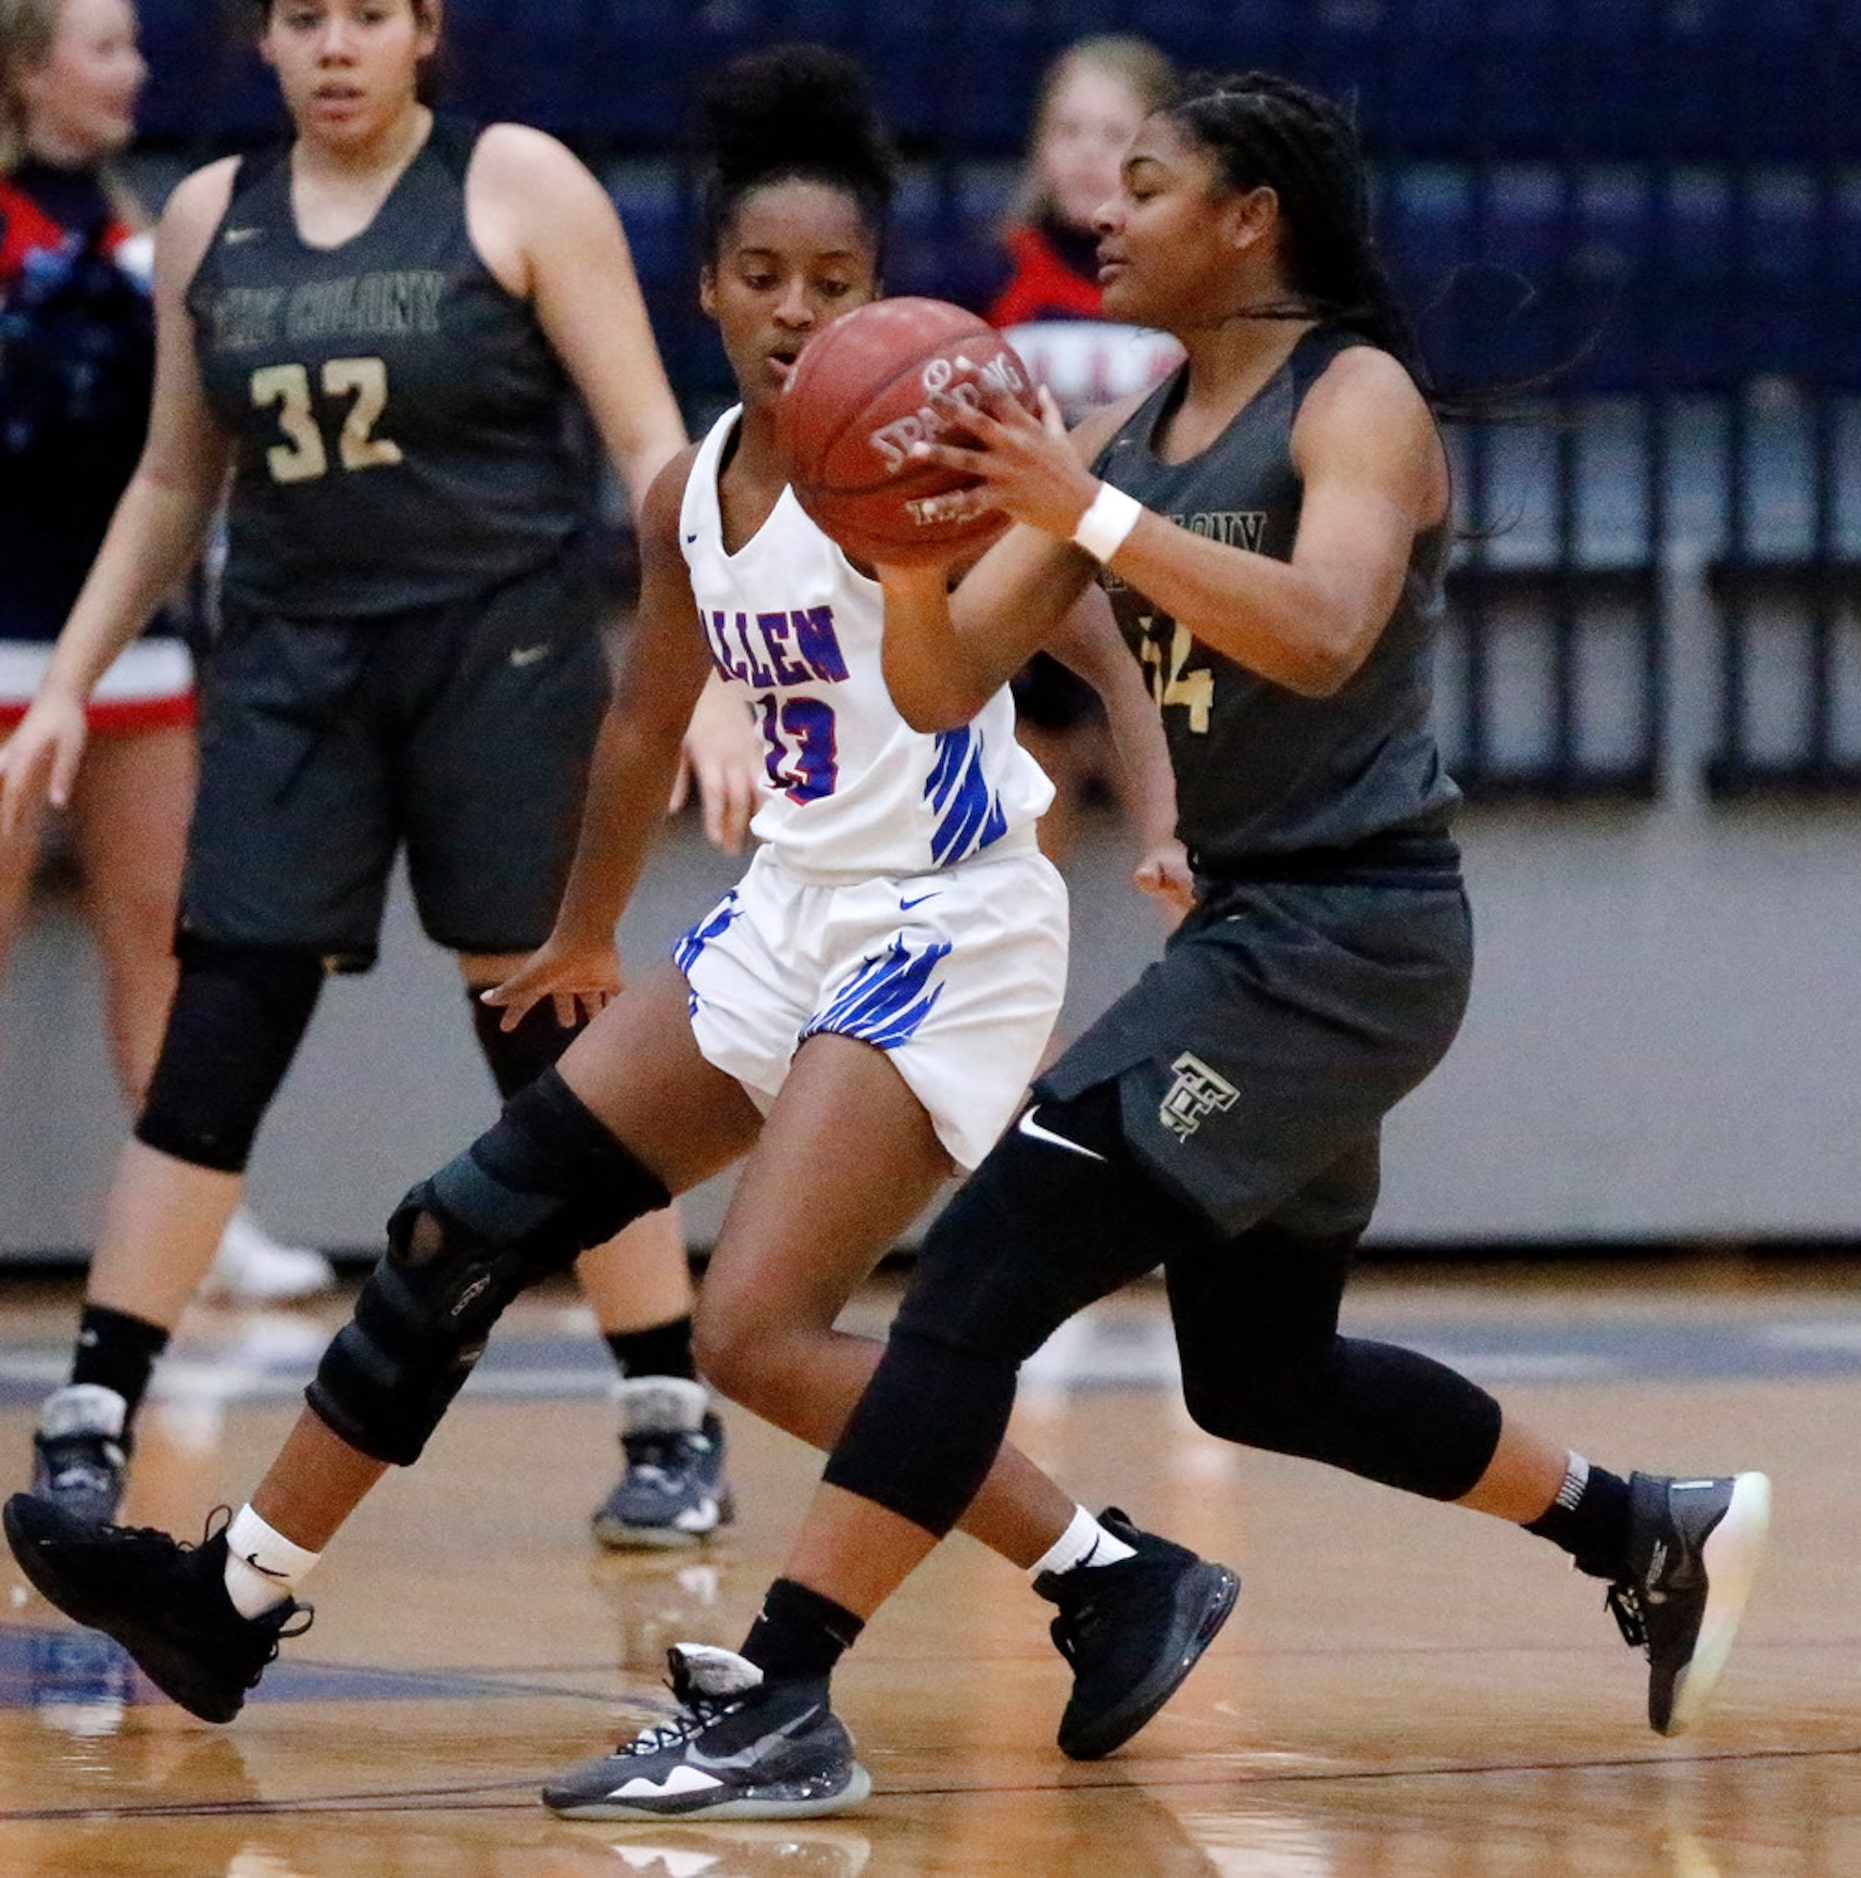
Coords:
pixel 1264 1366
pixel 239 1014
pixel 522 1202
pixel 519 1055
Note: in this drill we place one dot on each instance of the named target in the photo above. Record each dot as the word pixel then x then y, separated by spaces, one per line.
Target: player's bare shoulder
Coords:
pixel 191 218
pixel 517 165
pixel 1365 382
pixel 1098 427
pixel 1365 416
pixel 665 500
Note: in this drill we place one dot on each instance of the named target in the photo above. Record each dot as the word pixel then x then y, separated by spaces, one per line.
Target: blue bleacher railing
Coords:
pixel 1656 203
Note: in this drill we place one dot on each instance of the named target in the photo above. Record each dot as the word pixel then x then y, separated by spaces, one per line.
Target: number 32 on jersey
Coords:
pixel 1170 681
pixel 303 457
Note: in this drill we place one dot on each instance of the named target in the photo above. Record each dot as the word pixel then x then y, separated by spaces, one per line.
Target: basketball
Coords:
pixel 860 396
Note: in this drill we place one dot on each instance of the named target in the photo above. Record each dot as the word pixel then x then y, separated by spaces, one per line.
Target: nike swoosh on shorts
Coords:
pixel 1034 1132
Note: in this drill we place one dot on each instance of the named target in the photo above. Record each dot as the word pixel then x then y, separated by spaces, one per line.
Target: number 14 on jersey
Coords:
pixel 1170 681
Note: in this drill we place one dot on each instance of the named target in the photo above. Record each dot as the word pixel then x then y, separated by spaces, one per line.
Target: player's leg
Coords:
pixel 806 1225
pixel 1048 1223
pixel 1264 1365
pixel 129 815
pixel 671 1490
pixel 505 718
pixel 19 861
pixel 238 1016
pixel 551 1179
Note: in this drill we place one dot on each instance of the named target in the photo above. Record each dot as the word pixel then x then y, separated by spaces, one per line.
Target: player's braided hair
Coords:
pixel 797 111
pixel 1268 132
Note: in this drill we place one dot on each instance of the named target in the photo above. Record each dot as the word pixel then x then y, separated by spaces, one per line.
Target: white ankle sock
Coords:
pixel 263 1567
pixel 1084 1542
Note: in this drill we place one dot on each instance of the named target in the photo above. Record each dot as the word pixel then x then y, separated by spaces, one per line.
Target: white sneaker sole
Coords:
pixel 1733 1554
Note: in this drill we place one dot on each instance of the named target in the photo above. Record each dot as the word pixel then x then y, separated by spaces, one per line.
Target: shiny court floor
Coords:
pixel 1406 1692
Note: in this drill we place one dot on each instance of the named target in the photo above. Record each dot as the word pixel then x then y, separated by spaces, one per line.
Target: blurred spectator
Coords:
pixel 77 358
pixel 1092 100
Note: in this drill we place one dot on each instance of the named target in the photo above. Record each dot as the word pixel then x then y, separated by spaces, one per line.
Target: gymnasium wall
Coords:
pixel 1651 679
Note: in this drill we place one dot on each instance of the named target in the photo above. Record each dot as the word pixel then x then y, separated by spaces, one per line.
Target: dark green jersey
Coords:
pixel 1261 771
pixel 404 432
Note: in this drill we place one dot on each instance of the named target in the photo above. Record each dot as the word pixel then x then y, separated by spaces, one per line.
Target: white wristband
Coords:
pixel 1107 523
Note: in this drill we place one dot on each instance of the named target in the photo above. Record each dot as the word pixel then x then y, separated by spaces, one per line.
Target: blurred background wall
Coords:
pixel 1646 214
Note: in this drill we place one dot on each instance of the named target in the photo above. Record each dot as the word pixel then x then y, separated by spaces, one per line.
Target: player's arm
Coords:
pixel 723 761
pixel 527 190
pixel 160 521
pixel 946 654
pixel 1088 642
pixel 636 757
pixel 1374 475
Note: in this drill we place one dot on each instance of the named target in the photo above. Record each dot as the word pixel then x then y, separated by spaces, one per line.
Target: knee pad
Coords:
pixel 926 1432
pixel 1039 1231
pixel 520 1055
pixel 239 1014
pixel 1264 1366
pixel 1056 1217
pixel 521 1203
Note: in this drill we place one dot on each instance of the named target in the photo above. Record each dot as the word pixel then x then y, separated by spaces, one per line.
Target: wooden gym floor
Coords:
pixel 1406 1691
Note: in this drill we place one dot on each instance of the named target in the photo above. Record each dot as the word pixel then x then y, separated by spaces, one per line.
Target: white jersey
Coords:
pixel 853 791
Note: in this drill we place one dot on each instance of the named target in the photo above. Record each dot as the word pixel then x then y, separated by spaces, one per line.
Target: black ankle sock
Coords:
pixel 800 1633
pixel 1589 1520
pixel 664 1350
pixel 118 1351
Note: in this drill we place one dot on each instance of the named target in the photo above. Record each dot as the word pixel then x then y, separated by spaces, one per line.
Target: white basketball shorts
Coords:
pixel 956 975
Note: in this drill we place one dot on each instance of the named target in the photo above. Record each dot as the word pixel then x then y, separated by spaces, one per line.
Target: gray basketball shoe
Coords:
pixel 740 1748
pixel 81 1451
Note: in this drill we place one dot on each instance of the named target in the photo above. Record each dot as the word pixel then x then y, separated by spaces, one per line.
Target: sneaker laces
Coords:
pixel 82 1460
pixel 1073 1629
pixel 657 1452
pixel 696 1713
pixel 1623 1602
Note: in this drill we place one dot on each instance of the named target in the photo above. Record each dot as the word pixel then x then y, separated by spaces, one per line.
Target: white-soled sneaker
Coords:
pixel 1694 1549
pixel 672 1490
pixel 251 1267
pixel 81 1451
pixel 740 1748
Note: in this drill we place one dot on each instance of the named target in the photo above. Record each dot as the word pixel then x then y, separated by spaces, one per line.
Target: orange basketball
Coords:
pixel 860 396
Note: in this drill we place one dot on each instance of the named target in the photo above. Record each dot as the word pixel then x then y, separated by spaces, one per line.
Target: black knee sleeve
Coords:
pixel 927 1430
pixel 1263 1365
pixel 522 1202
pixel 1039 1231
pixel 519 1055
pixel 239 1014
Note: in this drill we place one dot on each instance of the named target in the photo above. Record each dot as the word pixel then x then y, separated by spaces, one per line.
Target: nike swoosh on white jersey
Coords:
pixel 1033 1130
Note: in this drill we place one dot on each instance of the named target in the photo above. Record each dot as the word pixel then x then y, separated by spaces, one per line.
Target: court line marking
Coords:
pixel 481 1796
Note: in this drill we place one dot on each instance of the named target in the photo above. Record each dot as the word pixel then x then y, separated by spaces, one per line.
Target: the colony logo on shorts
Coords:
pixel 1196 1094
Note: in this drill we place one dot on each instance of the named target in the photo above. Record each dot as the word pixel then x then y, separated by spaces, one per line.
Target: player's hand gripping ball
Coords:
pixel 861 395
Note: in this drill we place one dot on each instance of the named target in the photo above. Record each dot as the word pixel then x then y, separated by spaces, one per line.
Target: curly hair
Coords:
pixel 791 112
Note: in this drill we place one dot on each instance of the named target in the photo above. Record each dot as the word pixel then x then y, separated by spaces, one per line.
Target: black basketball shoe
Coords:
pixel 164 1602
pixel 1694 1548
pixel 81 1450
pixel 741 1749
pixel 1132 1632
